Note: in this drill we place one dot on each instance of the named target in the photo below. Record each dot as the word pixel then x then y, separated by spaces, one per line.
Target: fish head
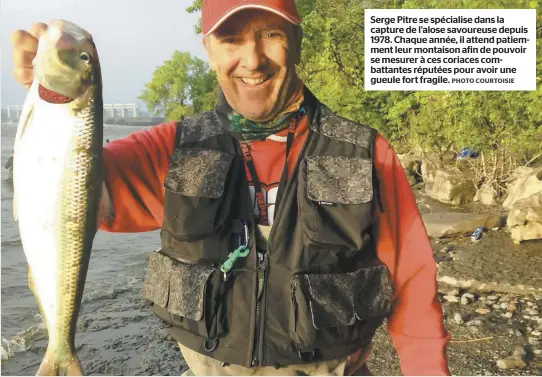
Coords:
pixel 66 65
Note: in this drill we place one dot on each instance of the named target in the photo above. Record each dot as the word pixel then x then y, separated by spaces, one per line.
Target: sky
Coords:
pixel 133 38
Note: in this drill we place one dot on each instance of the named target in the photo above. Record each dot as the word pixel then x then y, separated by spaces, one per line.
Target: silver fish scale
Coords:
pixel 81 190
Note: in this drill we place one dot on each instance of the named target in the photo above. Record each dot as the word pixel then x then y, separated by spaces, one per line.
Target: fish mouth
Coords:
pixel 51 96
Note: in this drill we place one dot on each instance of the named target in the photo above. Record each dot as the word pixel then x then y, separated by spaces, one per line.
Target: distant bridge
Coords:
pixel 112 111
pixel 121 110
pixel 12 113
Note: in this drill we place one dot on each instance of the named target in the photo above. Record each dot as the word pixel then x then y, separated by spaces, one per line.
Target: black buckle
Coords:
pixel 307 356
pixel 210 345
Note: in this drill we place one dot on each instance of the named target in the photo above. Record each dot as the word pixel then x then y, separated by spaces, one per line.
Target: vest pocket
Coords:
pixel 339 307
pixel 194 189
pixel 334 199
pixel 194 296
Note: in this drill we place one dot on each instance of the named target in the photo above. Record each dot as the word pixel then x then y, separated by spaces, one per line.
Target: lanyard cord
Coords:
pixel 247 156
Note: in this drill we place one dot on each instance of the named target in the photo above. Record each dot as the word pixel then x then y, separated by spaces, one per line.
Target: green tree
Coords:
pixel 332 63
pixel 332 66
pixel 504 126
pixel 181 86
pixel 195 7
pixel 485 120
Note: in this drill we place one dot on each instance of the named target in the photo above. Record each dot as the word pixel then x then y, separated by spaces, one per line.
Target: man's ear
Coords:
pixel 207 46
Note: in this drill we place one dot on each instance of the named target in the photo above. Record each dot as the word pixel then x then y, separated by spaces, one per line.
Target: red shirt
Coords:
pixel 135 170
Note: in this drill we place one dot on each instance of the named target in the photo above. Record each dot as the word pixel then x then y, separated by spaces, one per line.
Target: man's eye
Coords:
pixel 228 40
pixel 273 34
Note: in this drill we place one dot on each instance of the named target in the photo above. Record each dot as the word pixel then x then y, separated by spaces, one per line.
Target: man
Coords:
pixel 296 279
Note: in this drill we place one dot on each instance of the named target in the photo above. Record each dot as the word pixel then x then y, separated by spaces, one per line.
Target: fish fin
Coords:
pixel 51 366
pixel 31 281
pixel 26 115
pixel 24 120
pixel 28 108
pixel 33 289
pixel 74 369
pixel 105 208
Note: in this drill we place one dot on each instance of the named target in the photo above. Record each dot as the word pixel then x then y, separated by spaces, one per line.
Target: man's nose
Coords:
pixel 252 56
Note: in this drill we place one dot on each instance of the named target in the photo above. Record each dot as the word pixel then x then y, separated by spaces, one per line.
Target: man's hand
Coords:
pixel 25 46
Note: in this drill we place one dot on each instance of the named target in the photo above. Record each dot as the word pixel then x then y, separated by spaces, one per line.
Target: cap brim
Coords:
pixel 249 6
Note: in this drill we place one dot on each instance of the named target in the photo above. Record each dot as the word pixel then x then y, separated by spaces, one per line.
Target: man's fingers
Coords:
pixel 23 76
pixel 23 40
pixel 28 40
pixel 37 29
pixel 22 59
pixel 25 46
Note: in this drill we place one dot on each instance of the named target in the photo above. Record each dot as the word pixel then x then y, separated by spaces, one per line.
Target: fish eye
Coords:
pixel 84 57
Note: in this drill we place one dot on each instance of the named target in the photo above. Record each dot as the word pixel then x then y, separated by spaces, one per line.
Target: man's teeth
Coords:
pixel 253 81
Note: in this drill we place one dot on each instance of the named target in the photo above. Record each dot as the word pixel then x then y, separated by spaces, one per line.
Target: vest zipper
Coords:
pixel 262 267
pixel 279 213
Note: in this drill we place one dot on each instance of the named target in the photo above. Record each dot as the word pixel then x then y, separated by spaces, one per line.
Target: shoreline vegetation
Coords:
pixel 504 128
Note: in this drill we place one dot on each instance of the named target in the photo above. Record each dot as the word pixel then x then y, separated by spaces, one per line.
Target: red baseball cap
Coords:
pixel 215 12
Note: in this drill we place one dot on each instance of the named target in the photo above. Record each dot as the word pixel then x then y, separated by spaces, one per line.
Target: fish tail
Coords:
pixel 52 366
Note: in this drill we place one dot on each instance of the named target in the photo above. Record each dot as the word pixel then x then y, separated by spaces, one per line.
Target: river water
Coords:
pixel 116 335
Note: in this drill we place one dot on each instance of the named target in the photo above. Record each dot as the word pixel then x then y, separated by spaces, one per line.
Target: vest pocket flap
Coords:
pixel 340 180
pixel 156 286
pixel 187 286
pixel 373 292
pixel 198 172
pixel 331 299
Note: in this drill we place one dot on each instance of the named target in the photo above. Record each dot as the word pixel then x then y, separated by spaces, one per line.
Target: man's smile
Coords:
pixel 256 81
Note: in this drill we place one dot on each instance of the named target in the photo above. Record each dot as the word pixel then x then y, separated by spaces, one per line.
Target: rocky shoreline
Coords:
pixel 491 334
pixel 495 330
pixel 490 288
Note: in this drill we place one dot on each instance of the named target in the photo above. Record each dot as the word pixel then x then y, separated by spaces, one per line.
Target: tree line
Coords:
pixel 505 126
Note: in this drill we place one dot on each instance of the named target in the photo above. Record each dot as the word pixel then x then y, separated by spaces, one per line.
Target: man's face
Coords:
pixel 254 54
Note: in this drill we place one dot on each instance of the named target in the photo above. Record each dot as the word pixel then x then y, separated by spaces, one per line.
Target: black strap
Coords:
pixel 247 156
pixel 289 142
pixel 376 182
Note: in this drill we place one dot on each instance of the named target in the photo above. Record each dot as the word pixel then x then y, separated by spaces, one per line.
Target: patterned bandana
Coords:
pixel 247 130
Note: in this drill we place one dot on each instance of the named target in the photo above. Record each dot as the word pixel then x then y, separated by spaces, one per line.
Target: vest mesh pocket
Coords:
pixel 339 307
pixel 156 286
pixel 334 199
pixel 195 296
pixel 194 189
pixel 187 286
pixel 198 172
pixel 341 180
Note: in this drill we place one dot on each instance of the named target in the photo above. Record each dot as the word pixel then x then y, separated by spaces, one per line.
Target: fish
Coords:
pixel 57 182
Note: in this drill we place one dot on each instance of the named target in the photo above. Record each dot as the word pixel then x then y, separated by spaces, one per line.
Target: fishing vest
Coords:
pixel 317 293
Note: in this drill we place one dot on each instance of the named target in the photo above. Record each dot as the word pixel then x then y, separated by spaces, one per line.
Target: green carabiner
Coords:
pixel 241 252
